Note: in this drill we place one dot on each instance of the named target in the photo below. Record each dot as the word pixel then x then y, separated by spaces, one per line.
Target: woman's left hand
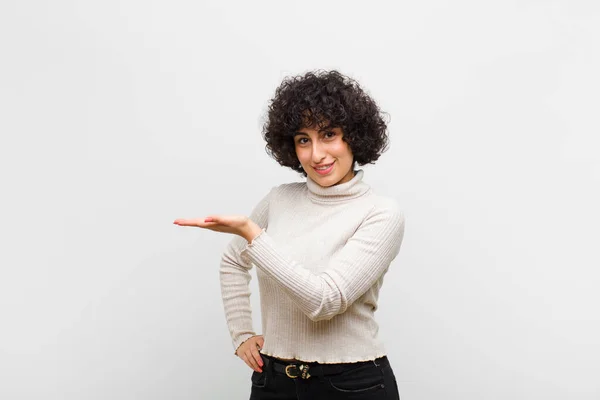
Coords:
pixel 236 224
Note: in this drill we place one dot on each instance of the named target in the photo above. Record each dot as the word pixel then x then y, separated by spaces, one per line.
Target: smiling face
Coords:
pixel 325 157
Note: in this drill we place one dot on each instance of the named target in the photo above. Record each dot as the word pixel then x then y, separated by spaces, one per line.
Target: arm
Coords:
pixel 365 257
pixel 235 278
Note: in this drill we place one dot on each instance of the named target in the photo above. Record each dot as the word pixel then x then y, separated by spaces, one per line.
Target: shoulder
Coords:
pixel 386 208
pixel 290 189
pixel 386 204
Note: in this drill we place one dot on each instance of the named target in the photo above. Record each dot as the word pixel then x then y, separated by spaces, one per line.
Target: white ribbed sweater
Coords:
pixel 320 257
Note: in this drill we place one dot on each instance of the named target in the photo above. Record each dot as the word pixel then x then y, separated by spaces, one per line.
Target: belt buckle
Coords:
pixel 293 367
pixel 290 367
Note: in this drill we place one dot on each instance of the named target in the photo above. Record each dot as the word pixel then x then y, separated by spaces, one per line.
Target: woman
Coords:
pixel 321 248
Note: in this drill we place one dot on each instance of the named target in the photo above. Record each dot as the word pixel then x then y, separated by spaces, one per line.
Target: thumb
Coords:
pixel 260 342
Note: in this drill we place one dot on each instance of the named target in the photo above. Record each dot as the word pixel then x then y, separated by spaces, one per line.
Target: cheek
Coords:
pixel 302 155
pixel 342 150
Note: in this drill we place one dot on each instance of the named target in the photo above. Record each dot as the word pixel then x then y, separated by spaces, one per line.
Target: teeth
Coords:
pixel 323 168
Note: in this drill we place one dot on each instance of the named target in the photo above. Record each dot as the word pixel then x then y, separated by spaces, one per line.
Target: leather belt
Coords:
pixel 304 370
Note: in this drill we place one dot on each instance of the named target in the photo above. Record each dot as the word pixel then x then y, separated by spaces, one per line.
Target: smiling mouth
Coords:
pixel 325 169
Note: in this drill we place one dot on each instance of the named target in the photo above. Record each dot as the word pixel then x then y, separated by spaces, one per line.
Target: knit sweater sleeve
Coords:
pixel 235 279
pixel 365 257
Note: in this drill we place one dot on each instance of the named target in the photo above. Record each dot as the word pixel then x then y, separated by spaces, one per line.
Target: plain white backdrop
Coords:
pixel 116 117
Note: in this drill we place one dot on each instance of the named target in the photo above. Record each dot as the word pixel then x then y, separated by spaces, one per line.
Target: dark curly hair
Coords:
pixel 324 99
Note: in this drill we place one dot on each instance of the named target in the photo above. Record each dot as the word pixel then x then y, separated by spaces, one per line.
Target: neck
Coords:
pixel 340 192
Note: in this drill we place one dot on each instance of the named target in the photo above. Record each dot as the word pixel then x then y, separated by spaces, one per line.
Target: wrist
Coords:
pixel 251 231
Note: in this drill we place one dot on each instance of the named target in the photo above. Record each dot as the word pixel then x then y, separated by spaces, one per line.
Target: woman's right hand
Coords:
pixel 248 351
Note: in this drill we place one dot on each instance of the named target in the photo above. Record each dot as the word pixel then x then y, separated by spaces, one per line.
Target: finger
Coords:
pixel 260 342
pixel 252 361
pixel 214 218
pixel 256 355
pixel 199 222
pixel 188 222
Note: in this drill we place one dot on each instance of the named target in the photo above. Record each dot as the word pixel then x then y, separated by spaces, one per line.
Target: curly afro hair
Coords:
pixel 324 99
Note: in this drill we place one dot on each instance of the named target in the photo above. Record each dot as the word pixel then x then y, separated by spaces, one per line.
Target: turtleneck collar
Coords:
pixel 339 193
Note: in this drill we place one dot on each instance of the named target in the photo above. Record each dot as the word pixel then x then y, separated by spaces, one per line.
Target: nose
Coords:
pixel 318 152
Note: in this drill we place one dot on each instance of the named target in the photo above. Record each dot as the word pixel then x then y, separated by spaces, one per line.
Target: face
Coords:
pixel 324 156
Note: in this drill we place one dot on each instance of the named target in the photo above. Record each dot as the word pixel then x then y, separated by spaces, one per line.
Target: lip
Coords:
pixel 325 172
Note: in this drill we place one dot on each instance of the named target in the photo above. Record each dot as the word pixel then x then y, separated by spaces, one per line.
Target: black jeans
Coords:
pixel 365 380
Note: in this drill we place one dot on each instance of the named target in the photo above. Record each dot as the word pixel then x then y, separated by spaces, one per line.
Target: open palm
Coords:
pixel 220 223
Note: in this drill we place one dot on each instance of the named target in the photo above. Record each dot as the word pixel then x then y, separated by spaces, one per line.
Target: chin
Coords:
pixel 327 181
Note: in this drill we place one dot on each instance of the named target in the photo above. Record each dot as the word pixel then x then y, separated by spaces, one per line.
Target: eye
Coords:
pixel 300 141
pixel 329 134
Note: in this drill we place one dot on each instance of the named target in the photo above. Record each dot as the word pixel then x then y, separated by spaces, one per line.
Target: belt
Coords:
pixel 304 370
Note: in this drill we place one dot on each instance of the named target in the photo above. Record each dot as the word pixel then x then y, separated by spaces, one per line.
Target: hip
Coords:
pixel 283 379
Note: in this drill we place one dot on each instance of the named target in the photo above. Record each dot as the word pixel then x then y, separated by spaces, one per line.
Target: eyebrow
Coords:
pixel 326 129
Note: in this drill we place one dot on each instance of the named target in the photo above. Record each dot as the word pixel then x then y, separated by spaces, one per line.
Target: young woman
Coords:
pixel 321 248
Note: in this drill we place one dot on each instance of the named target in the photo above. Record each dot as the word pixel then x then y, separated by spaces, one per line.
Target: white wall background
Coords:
pixel 117 117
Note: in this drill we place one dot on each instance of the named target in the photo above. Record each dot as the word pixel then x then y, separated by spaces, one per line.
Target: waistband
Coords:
pixel 304 370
